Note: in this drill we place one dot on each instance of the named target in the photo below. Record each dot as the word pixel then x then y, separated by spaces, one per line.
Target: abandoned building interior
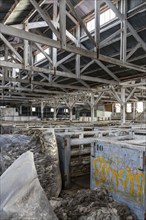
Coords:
pixel 73 109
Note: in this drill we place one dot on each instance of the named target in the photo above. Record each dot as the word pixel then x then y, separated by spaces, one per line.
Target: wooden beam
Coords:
pixel 62 21
pixel 52 43
pixel 57 73
pixel 45 17
pixel 80 21
pixel 7 43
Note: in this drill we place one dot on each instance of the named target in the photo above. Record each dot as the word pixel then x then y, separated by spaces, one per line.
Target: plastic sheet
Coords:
pixel 42 143
pixel 22 197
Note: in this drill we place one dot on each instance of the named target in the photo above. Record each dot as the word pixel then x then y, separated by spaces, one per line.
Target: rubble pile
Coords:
pixel 89 205
pixel 43 145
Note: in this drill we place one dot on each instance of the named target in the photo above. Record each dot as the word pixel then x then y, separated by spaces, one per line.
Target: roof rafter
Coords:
pixel 52 43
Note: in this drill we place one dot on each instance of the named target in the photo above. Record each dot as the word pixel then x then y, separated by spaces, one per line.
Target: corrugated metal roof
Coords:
pixel 85 7
pixel 5 6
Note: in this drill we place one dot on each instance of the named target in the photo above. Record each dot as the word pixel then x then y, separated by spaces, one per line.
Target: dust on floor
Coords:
pixel 86 204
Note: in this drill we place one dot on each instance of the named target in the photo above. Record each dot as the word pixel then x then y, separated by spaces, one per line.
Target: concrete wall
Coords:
pixel 8 112
pixel 20 118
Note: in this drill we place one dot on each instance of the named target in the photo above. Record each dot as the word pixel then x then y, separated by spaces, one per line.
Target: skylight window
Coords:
pixel 40 56
pixel 105 17
pixel 91 25
pixel 139 107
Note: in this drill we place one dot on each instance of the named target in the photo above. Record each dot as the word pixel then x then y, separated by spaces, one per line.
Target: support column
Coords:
pixel 97 27
pixel 92 113
pixel 31 64
pixel 42 110
pixel 26 46
pixel 78 56
pixel 6 59
pixel 5 73
pixel 20 110
pixel 55 114
pixel 123 106
pixel 134 110
pixel 144 110
pixel 113 108
pixel 123 47
pixel 92 107
pixel 31 110
pixel 54 50
pixel 70 111
pixel 62 21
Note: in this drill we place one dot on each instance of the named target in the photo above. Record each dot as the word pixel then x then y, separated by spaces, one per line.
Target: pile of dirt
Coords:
pixel 89 205
pixel 44 147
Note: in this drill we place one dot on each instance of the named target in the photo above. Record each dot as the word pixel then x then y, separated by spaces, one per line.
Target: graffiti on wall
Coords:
pixel 119 175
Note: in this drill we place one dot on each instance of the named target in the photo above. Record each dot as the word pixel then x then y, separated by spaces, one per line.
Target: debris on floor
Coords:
pixel 88 204
pixel 75 203
pixel 22 196
pixel 43 144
